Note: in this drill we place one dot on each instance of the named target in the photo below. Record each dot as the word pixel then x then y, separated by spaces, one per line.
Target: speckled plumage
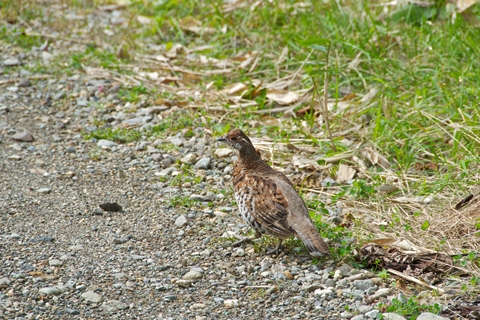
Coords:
pixel 267 200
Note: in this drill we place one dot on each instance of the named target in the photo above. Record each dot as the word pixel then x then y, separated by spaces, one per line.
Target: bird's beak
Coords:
pixel 222 139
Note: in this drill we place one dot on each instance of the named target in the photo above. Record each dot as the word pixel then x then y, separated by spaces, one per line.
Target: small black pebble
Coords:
pixel 111 206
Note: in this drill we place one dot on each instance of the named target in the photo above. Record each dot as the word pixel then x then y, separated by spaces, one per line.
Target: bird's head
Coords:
pixel 236 139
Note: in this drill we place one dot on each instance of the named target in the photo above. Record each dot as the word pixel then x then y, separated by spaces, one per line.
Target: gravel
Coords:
pixel 63 256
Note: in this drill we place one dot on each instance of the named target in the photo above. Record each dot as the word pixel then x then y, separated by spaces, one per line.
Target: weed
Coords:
pixel 410 309
pixel 132 94
pixel 177 201
pixel 117 135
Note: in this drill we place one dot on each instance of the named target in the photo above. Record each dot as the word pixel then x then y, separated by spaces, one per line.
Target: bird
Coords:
pixel 267 200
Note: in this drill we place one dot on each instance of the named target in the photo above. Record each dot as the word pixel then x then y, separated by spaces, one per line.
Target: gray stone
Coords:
pixel 322 292
pixel 181 221
pixel 224 152
pixel 430 316
pixel 189 158
pixel 42 239
pixel 364 309
pixel 392 316
pixel 23 136
pixel 203 163
pixel 55 262
pixel 192 275
pixel 107 144
pixel 91 296
pixel 72 311
pixel 176 141
pixel 184 283
pixel 346 315
pixel 11 62
pixel 359 317
pixel 44 190
pixel 363 284
pixel 231 303
pixel 82 103
pixel 372 314
pixel 114 305
pixel 137 121
pixel 24 82
pixel 4 282
pixel 50 291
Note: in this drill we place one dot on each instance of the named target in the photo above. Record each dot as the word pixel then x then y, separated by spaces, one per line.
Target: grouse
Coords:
pixel 267 199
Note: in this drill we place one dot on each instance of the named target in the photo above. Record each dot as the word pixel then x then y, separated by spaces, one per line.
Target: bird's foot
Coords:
pixel 274 251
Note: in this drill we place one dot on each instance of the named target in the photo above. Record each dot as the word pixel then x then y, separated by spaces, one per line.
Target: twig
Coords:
pixel 422 283
pixel 325 100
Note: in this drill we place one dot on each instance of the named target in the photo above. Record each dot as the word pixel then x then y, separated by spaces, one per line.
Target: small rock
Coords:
pixel 55 262
pixel 4 282
pixel 346 315
pixel 359 317
pixel 224 152
pixel 372 314
pixel 184 283
pixel 430 316
pixel 392 316
pixel 91 296
pixel 380 293
pixel 363 284
pixel 121 240
pixel 137 121
pixel 203 163
pixel 11 62
pixel 111 206
pixel 106 144
pixel 181 221
pixel 175 141
pixel 230 303
pixel 114 305
pixel 72 311
pixel 50 291
pixel 42 239
pixel 192 275
pixel 24 82
pixel 322 292
pixel 44 190
pixel 23 136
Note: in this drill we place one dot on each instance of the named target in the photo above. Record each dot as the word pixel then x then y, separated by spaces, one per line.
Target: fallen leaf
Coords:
pixel 144 20
pixel 345 173
pixel 302 162
pixel 282 97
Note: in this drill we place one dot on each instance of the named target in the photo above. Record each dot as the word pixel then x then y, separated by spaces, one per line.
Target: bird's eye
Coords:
pixel 234 138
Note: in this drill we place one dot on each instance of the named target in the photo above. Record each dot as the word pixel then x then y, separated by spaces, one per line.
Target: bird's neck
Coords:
pixel 250 158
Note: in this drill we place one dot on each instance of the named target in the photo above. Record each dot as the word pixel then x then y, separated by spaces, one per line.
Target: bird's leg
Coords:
pixel 247 239
pixel 277 249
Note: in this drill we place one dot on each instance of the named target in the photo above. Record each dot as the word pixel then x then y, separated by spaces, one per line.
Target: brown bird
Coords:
pixel 267 199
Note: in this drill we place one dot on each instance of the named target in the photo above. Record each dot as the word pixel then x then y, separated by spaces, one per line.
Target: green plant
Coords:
pixel 116 135
pixel 410 309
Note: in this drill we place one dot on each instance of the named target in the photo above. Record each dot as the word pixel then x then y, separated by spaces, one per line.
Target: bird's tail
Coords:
pixel 312 240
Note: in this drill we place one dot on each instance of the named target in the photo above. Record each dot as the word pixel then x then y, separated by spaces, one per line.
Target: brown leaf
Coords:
pixel 282 97
pixel 345 173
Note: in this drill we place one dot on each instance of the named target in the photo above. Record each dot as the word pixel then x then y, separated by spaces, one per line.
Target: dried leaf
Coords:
pixel 282 97
pixel 375 158
pixel 302 162
pixel 345 173
pixel 144 20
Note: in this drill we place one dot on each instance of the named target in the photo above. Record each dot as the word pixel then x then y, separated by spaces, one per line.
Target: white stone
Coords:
pixel 230 303
pixel 181 221
pixel 224 152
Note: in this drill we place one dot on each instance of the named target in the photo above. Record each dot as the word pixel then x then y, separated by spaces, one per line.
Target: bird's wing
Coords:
pixel 270 207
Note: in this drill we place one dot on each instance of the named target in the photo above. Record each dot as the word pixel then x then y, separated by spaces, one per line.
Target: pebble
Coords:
pixel 72 311
pixel 181 221
pixel 192 275
pixel 106 144
pixel 55 262
pixel 114 305
pixel 91 296
pixel 203 163
pixel 24 82
pixel 359 317
pixel 224 152
pixel 231 303
pixel 42 239
pixel 430 316
pixel 44 190
pixel 51 291
pixel 4 282
pixel 372 314
pixel 11 62
pixel 363 284
pixel 23 136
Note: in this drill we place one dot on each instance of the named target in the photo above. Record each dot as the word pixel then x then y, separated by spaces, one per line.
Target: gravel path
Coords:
pixel 62 256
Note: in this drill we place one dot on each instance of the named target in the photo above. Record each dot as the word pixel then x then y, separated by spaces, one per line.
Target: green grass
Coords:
pixel 423 62
pixel 117 135
pixel 411 308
